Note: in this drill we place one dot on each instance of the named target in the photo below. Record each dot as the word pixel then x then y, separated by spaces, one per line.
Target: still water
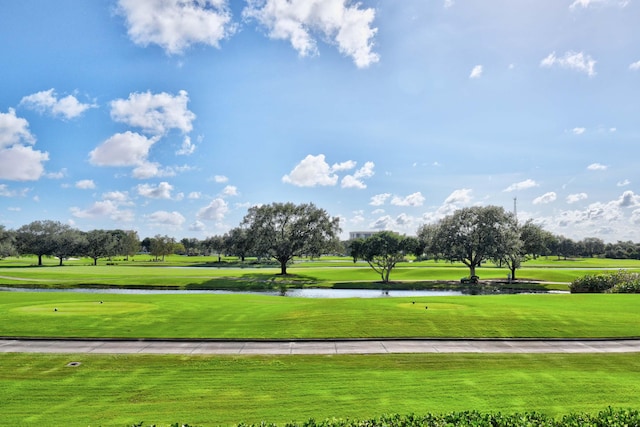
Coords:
pixel 297 293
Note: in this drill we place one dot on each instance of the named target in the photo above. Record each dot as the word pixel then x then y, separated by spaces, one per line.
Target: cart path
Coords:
pixel 321 347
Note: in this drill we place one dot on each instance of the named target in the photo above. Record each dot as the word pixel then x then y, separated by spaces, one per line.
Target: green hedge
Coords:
pixel 620 282
pixel 609 417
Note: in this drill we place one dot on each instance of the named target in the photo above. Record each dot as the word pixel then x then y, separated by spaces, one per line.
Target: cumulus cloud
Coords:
pixel 311 172
pixel 476 72
pixel 545 198
pixel 597 167
pixel 104 208
pixel 356 180
pixel 623 183
pixel 175 25
pixel 194 195
pixel 214 211
pixel 172 220
pixel 20 163
pixel 47 101
pixel 635 66
pixel 415 199
pixel 522 185
pixel 383 223
pixel 156 114
pixel 86 184
pixel 379 199
pixel 571 60
pixel 220 179
pixel 628 199
pixel 459 197
pixel 14 130
pixel 161 191
pixel 197 226
pixel 122 149
pixel 578 131
pixel 448 3
pixel 574 198
pixel 230 190
pixel 339 22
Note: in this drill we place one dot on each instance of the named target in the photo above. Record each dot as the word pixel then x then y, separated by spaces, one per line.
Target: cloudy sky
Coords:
pixel 175 116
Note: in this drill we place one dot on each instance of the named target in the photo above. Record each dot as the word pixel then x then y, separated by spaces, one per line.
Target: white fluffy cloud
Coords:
pixel 20 163
pixel 522 185
pixel 122 149
pixel 230 190
pixel 578 131
pixel 187 147
pixel 161 191
pixel 47 101
pixel 105 208
pixel 571 60
pixel 172 220
pixel 379 199
pixel 574 198
pixel 175 25
pixel 156 114
pixel 214 211
pixel 415 199
pixel 459 197
pixel 14 130
pixel 339 22
pixel 86 184
pixel 635 66
pixel 356 180
pixel 311 172
pixel 476 72
pixel 545 198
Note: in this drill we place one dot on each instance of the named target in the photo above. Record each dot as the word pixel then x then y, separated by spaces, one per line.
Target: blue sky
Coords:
pixel 175 116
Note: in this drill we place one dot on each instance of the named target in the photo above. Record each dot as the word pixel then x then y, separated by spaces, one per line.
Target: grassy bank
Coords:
pixel 122 390
pixel 56 314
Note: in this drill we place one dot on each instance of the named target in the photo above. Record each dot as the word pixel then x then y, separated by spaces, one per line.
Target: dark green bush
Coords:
pixel 619 282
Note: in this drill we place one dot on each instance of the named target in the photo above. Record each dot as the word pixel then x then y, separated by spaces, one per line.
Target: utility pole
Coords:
pixel 515 209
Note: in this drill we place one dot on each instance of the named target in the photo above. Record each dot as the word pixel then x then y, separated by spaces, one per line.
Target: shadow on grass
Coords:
pixel 255 282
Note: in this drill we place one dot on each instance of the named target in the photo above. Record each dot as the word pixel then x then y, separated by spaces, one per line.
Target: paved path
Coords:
pixel 317 346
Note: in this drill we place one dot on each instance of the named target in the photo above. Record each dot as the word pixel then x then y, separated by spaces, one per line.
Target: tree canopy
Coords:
pixel 476 234
pixel 285 230
pixel 383 250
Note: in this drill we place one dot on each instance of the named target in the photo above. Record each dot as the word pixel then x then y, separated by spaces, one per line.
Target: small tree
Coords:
pixel 7 241
pixel 285 230
pixel 68 242
pixel 383 250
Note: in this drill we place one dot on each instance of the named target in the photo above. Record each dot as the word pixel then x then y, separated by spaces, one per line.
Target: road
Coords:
pixel 293 347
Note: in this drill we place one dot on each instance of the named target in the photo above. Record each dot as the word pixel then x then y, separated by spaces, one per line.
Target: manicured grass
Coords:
pixel 332 273
pixel 56 314
pixel 122 390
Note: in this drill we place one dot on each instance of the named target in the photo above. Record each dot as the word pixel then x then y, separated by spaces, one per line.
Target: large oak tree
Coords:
pixel 476 234
pixel 285 230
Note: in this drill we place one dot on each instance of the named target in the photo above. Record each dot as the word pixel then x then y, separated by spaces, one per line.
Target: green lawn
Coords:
pixel 200 273
pixel 207 391
pixel 69 314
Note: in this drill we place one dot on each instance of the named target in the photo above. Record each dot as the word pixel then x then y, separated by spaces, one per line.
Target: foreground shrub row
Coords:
pixel 620 282
pixel 608 418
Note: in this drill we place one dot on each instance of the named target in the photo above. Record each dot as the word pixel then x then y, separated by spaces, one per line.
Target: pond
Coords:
pixel 294 293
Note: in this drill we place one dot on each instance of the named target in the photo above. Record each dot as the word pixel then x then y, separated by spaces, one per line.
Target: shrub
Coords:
pixel 619 282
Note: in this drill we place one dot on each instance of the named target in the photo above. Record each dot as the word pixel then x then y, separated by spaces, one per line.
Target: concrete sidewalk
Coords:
pixel 294 347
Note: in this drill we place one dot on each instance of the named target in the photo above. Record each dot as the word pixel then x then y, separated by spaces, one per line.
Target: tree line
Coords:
pixel 282 231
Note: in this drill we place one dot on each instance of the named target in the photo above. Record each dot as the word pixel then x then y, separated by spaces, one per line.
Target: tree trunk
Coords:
pixel 283 268
pixel 472 270
pixel 513 273
pixel 39 260
pixel 95 261
pixel 60 262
